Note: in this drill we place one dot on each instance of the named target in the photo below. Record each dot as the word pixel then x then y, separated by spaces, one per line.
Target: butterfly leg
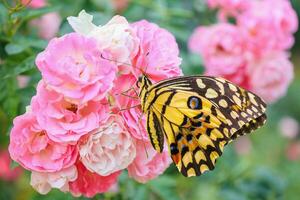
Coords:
pixel 124 93
pixel 140 131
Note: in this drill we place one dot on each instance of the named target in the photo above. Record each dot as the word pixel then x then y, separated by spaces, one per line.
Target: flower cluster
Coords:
pixel 253 51
pixel 84 125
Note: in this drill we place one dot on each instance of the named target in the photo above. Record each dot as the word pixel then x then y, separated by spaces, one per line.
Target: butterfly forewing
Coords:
pixel 199 115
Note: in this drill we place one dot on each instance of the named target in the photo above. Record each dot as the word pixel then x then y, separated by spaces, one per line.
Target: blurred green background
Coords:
pixel 265 165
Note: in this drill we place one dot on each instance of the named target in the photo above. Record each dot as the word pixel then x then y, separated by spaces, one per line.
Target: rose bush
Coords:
pixel 84 124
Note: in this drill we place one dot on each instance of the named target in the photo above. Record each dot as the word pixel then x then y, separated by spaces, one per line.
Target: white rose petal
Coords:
pixel 83 23
pixel 44 182
pixel 108 149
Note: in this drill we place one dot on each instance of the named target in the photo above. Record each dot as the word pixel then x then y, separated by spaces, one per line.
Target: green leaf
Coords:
pixel 4 125
pixel 142 193
pixel 20 43
pixel 164 187
pixel 14 164
pixel 12 48
pixel 3 15
pixel 25 65
pixel 10 99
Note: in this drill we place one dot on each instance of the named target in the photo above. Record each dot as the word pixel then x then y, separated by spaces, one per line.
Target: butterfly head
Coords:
pixel 143 84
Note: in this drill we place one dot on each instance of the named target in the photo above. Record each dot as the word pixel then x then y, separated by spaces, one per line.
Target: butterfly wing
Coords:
pixel 199 116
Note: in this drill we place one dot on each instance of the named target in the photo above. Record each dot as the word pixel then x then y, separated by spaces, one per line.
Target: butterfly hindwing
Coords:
pixel 244 110
pixel 199 115
pixel 155 132
pixel 193 131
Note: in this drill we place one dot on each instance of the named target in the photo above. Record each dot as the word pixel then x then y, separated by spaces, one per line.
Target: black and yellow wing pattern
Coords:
pixel 198 116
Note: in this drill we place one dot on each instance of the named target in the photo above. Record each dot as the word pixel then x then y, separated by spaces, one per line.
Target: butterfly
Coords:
pixel 198 116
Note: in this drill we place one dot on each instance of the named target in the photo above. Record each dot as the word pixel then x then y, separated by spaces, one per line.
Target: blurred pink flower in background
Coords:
pixel 222 48
pixel 228 8
pixel 227 4
pixel 89 184
pixel 23 80
pixel 289 127
pixel 47 25
pixel 271 76
pixel 31 147
pixel 253 51
pixel 108 149
pixel 72 65
pixel 6 173
pixel 243 145
pixel 43 182
pixel 34 3
pixel 120 5
pixel 148 163
pixel 269 25
pixel 293 151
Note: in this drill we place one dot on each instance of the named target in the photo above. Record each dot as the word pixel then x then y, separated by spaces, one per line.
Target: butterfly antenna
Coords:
pixel 124 93
pixel 123 109
pixel 136 93
pixel 123 63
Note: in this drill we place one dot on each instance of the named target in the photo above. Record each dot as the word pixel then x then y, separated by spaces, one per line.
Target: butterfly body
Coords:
pixel 198 116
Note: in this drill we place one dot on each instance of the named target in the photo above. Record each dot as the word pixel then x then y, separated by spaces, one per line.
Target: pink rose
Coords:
pixel 158 54
pixel 62 120
pixel 72 65
pixel 89 184
pixel 108 149
pixel 271 76
pixel 228 7
pixel 6 173
pixel 158 57
pixel 34 3
pixel 43 182
pixel 148 163
pixel 31 147
pixel 116 37
pixel 47 25
pixel 239 77
pixel 129 104
pixel 222 48
pixel 228 4
pixel 269 25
